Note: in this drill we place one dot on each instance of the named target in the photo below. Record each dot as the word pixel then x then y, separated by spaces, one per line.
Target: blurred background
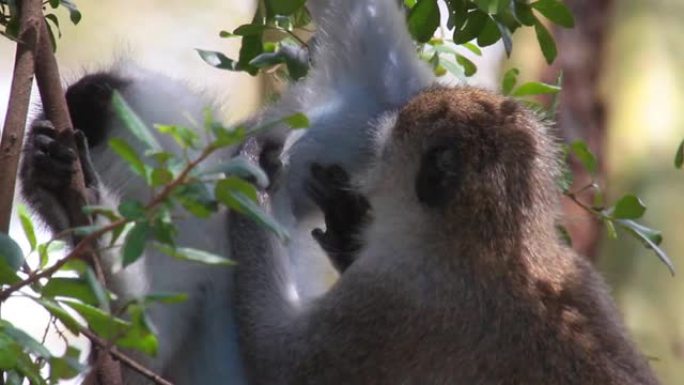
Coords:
pixel 623 67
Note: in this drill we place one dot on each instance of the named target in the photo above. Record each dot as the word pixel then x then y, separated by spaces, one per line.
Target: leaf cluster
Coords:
pixel 9 17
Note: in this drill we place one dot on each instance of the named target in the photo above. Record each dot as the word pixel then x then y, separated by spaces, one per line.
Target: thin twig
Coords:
pixel 126 360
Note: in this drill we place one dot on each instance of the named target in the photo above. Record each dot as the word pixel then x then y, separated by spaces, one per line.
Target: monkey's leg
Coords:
pixel 345 211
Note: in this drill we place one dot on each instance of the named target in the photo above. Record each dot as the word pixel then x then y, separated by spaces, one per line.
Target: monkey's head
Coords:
pixel 475 160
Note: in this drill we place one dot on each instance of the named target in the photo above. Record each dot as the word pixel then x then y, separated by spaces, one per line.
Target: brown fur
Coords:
pixel 474 290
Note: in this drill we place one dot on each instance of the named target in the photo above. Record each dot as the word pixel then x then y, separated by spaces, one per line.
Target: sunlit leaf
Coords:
pixel 194 255
pixel 546 42
pixel 510 78
pixel 241 167
pixel 284 7
pixel 580 149
pixel 10 252
pixel 679 156
pixel 134 243
pixel 535 88
pixel 76 288
pixel 555 11
pixel 649 237
pixel 128 154
pixel 423 20
pixel 217 60
pixel 133 122
pixel 629 207
pixel 297 121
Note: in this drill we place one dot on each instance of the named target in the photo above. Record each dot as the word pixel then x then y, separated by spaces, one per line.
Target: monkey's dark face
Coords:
pixel 478 154
pixel 89 102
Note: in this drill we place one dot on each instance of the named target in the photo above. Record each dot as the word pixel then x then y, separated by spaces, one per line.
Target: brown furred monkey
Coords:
pixel 461 277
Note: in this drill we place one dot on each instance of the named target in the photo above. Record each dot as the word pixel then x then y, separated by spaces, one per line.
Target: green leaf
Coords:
pixel 250 29
pixel 225 188
pixel 548 46
pixel 458 12
pixel 134 243
pixel 629 207
pixel 456 70
pixel 8 352
pixel 489 6
pixel 74 13
pixel 55 21
pixel 490 33
pixel 236 196
pixel 423 20
pixel 10 252
pixel 472 48
pixel 584 155
pixel 194 255
pixel 131 209
pixel 217 60
pixel 510 78
pixel 24 340
pixel 99 321
pixel 564 235
pixel 128 154
pixel 102 299
pixel 133 122
pixel 505 36
pixel 62 315
pixel 297 121
pixel 523 13
pixel 139 336
pixel 475 23
pixel 184 136
pixel 284 7
pixel 197 199
pixel 555 11
pixel 535 88
pixel 160 177
pixel 76 288
pixel 84 231
pixel 45 249
pixel 679 156
pixel 649 237
pixel 241 167
pixel 165 231
pixel 267 59
pixel 610 228
pixel 66 366
pixel 468 67
pixel 166 298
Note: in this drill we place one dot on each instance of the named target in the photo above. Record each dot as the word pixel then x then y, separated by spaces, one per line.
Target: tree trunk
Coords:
pixel 582 111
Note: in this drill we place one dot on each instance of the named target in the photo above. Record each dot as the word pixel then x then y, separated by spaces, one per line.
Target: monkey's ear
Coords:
pixel 438 176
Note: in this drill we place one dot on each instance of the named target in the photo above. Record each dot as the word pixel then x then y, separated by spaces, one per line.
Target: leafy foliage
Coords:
pixel 9 17
pixel 471 24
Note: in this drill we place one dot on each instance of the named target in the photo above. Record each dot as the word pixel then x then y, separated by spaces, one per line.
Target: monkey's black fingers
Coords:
pixel 43 127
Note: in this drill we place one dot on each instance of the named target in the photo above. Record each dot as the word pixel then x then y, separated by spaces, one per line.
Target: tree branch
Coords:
pixel 17 108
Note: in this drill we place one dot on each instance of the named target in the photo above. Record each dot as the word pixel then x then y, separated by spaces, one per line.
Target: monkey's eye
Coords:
pixel 438 176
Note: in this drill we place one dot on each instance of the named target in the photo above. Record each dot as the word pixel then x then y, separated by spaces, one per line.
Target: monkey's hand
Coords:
pixel 345 211
pixel 46 172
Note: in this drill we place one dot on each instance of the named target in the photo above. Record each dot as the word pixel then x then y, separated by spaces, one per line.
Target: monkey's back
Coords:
pixel 460 327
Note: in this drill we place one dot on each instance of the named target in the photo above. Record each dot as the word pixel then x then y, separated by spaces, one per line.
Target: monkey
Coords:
pixel 345 213
pixel 364 64
pixel 461 277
